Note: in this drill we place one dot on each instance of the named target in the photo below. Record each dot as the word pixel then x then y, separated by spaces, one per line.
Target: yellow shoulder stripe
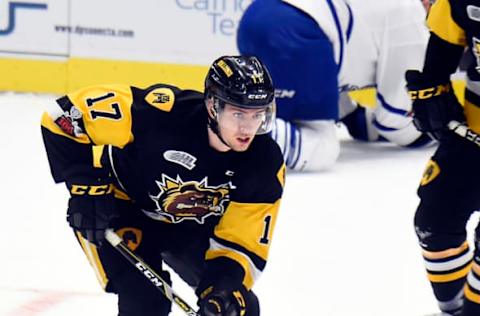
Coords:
pixel 106 111
pixel 441 23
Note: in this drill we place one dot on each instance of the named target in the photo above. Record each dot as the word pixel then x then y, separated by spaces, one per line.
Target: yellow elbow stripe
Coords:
pixel 248 280
pixel 97 155
pixel 245 224
pixel 441 23
pixel 442 278
pixel 91 252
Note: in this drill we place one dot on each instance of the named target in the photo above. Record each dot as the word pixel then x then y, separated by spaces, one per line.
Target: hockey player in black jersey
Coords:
pixel 186 178
pixel 450 188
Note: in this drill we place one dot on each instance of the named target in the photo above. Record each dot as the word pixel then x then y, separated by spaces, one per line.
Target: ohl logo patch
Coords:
pixel 431 172
pixel 178 200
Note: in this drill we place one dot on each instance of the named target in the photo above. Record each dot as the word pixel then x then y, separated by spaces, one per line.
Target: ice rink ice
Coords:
pixel 344 244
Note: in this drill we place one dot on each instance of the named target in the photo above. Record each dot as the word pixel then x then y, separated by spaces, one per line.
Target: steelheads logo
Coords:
pixel 191 200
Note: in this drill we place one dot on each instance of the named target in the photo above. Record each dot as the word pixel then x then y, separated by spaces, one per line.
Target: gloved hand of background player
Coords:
pixel 215 301
pixel 434 103
pixel 359 124
pixel 92 205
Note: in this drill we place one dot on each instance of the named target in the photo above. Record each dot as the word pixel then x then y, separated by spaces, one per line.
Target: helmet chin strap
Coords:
pixel 213 125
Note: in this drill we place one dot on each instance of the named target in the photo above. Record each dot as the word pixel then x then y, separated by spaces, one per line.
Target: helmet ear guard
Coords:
pixel 211 109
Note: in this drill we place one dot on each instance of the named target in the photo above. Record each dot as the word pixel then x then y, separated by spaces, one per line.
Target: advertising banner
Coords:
pixel 167 31
pixel 170 31
pixel 59 45
pixel 27 28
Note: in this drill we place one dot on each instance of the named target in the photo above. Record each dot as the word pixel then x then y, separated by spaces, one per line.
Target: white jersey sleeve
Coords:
pixel 399 31
pixel 307 145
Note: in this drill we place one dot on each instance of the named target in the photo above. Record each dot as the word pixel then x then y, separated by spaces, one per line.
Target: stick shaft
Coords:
pixel 462 130
pixel 148 272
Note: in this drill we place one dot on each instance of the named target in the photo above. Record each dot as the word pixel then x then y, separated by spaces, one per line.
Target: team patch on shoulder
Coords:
pixel 161 98
pixel 180 157
pixel 473 12
pixel 431 172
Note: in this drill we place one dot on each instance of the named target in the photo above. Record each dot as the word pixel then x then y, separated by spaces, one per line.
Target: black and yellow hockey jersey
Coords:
pixel 155 143
pixel 457 23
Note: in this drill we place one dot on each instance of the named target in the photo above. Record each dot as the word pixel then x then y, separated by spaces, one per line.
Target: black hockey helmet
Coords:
pixel 242 81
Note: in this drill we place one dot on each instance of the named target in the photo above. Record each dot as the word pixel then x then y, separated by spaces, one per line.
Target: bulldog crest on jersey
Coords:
pixel 192 200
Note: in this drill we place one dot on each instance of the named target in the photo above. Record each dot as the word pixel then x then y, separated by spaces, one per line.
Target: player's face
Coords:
pixel 238 126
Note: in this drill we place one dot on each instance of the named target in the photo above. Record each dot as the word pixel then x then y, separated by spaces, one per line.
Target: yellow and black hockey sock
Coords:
pixel 447 271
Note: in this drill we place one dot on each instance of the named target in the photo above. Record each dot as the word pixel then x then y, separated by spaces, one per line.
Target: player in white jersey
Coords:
pixel 317 51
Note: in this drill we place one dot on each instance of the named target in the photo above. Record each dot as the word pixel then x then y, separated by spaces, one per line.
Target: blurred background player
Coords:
pixel 450 190
pixel 317 51
pixel 190 179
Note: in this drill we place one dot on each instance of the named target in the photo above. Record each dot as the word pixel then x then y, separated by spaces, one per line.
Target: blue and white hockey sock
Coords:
pixel 289 138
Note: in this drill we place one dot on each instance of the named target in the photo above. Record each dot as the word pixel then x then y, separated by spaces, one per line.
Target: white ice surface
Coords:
pixel 344 242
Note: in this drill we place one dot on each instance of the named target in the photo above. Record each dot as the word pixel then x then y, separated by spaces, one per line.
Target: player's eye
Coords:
pixel 259 116
pixel 238 115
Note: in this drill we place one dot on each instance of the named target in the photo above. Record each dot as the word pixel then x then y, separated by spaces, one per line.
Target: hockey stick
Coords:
pixel 148 272
pixel 461 129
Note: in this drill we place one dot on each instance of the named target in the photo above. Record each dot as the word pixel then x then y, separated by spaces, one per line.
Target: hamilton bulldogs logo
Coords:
pixel 178 201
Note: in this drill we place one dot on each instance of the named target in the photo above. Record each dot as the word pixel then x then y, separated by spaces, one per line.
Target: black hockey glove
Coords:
pixel 357 123
pixel 215 301
pixel 434 104
pixel 92 205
